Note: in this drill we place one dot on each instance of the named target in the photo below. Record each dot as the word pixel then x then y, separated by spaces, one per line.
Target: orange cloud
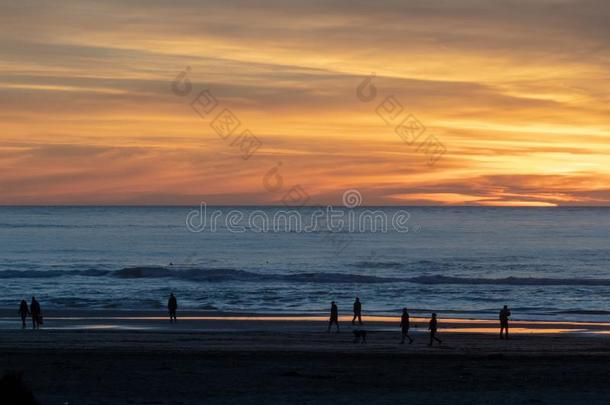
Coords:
pixel 87 115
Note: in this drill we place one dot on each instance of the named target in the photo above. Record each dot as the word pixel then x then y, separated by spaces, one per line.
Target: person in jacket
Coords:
pixel 433 328
pixel 23 312
pixel 504 314
pixel 172 307
pixel 36 312
pixel 334 316
pixel 405 325
pixel 357 312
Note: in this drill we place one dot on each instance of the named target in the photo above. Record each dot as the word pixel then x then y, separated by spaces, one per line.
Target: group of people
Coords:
pixel 334 314
pixel 33 310
pixel 405 322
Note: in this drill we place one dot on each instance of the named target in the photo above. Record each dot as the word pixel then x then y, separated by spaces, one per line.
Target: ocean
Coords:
pixel 545 263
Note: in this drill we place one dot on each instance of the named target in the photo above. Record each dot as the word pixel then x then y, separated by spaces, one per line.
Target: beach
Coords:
pixel 268 170
pixel 97 357
pixel 253 309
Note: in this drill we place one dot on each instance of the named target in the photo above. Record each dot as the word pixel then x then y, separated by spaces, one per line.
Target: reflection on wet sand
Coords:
pixel 114 321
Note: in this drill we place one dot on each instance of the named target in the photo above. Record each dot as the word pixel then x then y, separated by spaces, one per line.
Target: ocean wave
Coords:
pixel 438 279
pixel 584 312
pixel 196 274
pixel 229 274
pixel 377 265
pixel 225 274
pixel 52 273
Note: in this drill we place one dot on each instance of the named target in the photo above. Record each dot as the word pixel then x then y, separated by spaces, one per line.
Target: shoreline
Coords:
pixel 202 321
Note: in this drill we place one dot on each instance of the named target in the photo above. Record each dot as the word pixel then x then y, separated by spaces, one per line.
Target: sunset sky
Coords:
pixel 516 91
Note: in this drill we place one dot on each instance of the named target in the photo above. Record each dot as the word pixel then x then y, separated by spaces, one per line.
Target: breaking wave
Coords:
pixel 228 274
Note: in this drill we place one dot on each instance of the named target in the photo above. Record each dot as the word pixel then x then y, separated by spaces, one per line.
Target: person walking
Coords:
pixel 405 325
pixel 23 312
pixel 36 312
pixel 504 314
pixel 433 328
pixel 357 312
pixel 334 316
pixel 172 307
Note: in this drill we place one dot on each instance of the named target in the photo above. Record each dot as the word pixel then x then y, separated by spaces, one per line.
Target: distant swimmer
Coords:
pixel 405 325
pixel 36 312
pixel 23 312
pixel 504 314
pixel 334 316
pixel 357 312
pixel 172 307
pixel 433 328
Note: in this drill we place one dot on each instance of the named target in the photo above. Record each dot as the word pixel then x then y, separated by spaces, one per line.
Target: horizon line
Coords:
pixel 287 207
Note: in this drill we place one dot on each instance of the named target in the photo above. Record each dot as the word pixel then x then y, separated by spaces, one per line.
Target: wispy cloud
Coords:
pixel 516 90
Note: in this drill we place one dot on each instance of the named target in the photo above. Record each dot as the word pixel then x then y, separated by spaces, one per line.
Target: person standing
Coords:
pixel 36 312
pixel 357 312
pixel 504 314
pixel 172 307
pixel 405 325
pixel 334 316
pixel 433 328
pixel 23 312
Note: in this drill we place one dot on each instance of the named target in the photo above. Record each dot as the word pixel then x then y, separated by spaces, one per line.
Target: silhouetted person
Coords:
pixel 334 316
pixel 433 328
pixel 24 311
pixel 504 314
pixel 36 313
pixel 405 325
pixel 172 307
pixel 357 311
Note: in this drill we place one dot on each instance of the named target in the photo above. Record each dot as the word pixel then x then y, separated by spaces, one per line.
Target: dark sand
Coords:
pixel 147 361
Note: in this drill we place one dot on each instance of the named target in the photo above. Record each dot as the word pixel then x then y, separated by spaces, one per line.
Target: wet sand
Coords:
pixel 195 321
pixel 141 358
